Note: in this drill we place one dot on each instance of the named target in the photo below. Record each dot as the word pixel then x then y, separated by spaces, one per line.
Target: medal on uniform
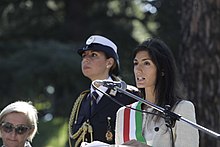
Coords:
pixel 109 134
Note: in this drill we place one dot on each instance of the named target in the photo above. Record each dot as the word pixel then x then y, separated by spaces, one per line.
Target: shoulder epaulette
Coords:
pixel 84 92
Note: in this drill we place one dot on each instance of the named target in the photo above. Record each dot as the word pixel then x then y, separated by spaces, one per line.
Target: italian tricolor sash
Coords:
pixel 131 128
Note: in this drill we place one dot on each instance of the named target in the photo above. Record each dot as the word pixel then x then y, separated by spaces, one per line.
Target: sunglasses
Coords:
pixel 19 129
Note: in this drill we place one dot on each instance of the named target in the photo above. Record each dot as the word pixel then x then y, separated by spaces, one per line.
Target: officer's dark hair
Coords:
pixel 168 88
pixel 114 70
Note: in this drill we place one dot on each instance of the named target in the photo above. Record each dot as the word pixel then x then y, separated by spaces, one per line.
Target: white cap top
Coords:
pixel 101 40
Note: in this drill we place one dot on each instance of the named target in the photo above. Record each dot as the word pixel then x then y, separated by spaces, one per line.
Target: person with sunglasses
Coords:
pixel 156 77
pixel 93 113
pixel 18 124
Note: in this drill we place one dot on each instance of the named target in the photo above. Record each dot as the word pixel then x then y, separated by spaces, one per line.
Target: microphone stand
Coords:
pixel 171 116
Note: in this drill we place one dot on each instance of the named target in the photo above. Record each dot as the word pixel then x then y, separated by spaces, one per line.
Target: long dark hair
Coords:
pixel 168 88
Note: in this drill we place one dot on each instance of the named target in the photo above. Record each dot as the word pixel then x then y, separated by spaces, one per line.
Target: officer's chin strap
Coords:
pixel 83 130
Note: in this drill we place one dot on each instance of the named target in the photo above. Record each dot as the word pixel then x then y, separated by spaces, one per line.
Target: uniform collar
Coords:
pixel 102 88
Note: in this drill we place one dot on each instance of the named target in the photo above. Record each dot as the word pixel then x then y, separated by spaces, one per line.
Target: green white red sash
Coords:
pixel 131 128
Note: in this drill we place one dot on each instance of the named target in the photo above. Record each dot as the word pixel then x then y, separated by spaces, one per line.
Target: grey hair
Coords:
pixel 22 107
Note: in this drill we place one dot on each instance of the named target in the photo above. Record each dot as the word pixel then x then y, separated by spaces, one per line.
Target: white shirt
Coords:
pixel 102 88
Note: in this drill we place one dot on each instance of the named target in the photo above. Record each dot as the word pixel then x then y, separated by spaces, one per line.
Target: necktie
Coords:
pixel 93 97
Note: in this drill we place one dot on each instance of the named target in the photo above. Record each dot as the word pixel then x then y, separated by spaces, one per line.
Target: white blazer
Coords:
pixel 184 134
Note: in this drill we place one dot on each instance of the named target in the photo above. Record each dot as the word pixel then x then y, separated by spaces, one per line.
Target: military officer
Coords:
pixel 93 114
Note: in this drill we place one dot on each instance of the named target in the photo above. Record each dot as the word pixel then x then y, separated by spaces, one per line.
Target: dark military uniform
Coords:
pixel 101 124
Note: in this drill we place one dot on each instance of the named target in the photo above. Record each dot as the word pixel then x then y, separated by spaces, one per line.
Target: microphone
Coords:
pixel 111 84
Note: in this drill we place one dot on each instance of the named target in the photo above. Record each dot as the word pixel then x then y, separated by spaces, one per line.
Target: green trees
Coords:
pixel 33 66
pixel 39 39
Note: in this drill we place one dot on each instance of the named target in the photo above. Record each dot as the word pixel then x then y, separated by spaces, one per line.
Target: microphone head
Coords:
pixel 111 84
pixel 123 85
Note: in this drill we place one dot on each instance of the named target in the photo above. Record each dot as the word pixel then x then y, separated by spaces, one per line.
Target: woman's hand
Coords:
pixel 135 143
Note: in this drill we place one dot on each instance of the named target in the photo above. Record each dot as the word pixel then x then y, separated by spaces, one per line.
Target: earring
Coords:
pixel 162 74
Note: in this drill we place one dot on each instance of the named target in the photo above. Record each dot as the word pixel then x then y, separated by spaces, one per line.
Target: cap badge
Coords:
pixel 90 40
